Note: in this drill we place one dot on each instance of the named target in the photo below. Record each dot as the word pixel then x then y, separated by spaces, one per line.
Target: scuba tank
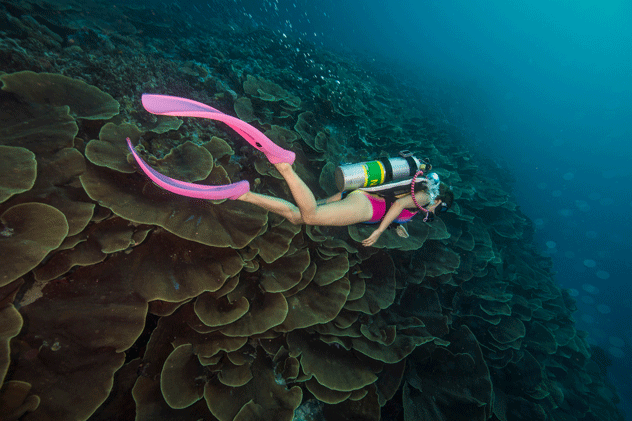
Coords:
pixel 383 170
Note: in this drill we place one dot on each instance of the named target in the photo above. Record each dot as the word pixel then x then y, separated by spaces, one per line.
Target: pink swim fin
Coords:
pixel 183 107
pixel 182 188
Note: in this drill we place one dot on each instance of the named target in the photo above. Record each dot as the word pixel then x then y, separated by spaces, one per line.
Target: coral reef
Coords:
pixel 122 301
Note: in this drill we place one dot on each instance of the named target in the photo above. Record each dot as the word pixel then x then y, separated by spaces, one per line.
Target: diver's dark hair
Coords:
pixel 420 186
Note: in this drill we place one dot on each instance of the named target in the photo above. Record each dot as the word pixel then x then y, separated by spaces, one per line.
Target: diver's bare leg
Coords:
pixel 302 194
pixel 335 198
pixel 273 204
pixel 355 208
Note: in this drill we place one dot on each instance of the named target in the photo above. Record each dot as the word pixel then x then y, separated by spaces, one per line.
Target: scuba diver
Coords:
pixel 369 190
pixel 384 204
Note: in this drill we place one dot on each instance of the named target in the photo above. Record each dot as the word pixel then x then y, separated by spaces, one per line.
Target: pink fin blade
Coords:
pixel 183 107
pixel 182 188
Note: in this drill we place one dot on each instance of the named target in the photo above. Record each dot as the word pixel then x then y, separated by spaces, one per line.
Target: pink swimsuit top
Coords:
pixel 379 210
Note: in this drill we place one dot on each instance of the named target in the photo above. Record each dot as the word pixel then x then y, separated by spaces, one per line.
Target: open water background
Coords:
pixel 544 88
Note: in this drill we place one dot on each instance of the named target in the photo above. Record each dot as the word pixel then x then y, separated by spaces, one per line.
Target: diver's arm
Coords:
pixel 396 208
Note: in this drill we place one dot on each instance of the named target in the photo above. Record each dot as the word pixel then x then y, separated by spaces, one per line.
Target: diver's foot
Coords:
pixel 279 155
pixel 246 197
pixel 283 167
pixel 402 231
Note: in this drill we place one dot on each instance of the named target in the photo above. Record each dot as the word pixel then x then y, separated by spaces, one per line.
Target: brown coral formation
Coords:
pixel 17 171
pixel 143 305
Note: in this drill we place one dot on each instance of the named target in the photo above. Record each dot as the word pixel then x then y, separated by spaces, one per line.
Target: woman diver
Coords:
pixel 384 204
pixel 358 206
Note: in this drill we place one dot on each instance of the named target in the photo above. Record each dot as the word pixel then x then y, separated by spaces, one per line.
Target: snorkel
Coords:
pixel 432 182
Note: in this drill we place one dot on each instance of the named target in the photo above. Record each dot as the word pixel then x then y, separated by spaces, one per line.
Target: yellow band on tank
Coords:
pixel 374 173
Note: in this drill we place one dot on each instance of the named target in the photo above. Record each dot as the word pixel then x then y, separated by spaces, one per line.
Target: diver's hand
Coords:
pixel 372 238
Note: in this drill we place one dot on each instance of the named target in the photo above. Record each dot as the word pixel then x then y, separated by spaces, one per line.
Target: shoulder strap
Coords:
pixel 389 198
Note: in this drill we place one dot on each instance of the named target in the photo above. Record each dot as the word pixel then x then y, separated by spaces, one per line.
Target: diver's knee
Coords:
pixel 309 219
pixel 296 220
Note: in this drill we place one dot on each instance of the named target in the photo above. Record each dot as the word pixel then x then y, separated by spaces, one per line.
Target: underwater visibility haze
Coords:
pixel 120 300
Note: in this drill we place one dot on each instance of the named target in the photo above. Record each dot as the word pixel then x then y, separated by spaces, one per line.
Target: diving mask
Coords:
pixel 442 208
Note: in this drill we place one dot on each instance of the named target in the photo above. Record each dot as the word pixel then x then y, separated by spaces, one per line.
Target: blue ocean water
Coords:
pixel 545 88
